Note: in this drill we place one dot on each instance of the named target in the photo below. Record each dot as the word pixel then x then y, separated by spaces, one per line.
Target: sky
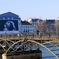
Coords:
pixel 45 9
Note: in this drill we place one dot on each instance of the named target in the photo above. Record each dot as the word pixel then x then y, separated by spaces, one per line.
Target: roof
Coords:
pixel 35 20
pixel 25 23
pixel 8 15
pixel 50 21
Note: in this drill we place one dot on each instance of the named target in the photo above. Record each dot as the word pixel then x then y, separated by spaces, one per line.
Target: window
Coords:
pixel 8 18
pixel 12 18
pixel 3 18
pixel 26 26
pixel 24 30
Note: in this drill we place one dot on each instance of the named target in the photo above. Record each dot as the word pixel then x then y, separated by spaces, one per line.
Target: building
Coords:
pixel 33 21
pixel 26 27
pixel 12 23
pixel 50 25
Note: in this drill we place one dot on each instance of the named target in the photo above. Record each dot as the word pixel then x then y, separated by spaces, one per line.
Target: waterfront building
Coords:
pixel 10 21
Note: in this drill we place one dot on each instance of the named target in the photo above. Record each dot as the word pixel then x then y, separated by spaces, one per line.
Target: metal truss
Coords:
pixel 20 45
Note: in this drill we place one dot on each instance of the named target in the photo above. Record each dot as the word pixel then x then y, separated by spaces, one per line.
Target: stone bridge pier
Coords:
pixel 4 56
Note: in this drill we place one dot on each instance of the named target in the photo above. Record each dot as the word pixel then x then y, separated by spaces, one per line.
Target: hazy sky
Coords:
pixel 31 8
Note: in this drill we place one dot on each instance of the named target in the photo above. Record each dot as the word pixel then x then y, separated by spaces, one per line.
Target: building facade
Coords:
pixel 26 27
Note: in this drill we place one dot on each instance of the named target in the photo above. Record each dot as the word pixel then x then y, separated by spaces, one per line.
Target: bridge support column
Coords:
pixel 4 56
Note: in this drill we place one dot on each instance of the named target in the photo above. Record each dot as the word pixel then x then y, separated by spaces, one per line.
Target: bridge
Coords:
pixel 48 46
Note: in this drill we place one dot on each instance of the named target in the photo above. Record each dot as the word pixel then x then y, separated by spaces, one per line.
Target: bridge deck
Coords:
pixel 31 38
